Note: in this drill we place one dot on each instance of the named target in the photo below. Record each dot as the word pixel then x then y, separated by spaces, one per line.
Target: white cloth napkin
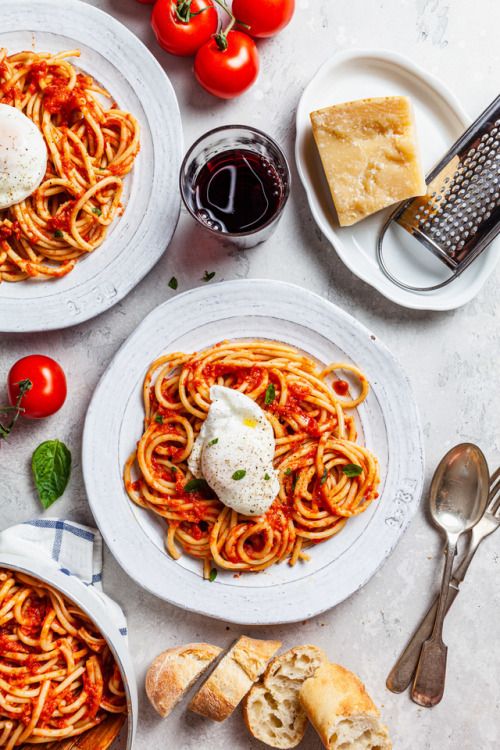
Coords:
pixel 75 549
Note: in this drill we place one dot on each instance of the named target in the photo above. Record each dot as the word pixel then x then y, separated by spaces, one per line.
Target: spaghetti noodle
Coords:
pixel 58 678
pixel 325 475
pixel 90 149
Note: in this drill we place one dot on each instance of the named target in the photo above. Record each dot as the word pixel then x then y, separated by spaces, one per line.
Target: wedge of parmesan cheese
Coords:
pixel 369 153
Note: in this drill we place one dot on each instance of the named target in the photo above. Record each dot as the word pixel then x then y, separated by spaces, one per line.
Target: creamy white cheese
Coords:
pixel 23 156
pixel 234 453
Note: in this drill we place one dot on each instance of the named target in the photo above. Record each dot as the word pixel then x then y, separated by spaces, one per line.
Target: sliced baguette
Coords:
pixel 342 712
pixel 272 710
pixel 233 677
pixel 174 671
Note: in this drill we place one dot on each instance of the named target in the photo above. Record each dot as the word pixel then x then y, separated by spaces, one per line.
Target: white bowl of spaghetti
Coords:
pixel 64 665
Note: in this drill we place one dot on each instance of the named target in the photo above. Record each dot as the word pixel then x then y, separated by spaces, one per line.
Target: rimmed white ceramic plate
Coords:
pixel 440 120
pixel 136 241
pixel 388 422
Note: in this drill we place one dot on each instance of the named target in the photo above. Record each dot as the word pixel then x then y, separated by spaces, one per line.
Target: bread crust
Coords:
pixel 233 677
pixel 335 693
pixel 173 672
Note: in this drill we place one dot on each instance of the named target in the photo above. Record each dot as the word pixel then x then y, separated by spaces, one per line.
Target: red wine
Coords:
pixel 237 191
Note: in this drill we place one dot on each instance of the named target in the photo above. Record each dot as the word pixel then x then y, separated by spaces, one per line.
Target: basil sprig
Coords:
pixel 51 466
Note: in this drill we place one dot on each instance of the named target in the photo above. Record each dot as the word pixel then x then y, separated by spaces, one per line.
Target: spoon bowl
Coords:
pixel 459 489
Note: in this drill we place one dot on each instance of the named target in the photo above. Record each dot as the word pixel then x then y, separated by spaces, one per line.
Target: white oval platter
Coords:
pixel 440 120
pixel 388 422
pixel 124 66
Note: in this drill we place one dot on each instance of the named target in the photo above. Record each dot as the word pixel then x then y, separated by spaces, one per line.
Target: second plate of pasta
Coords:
pixel 224 397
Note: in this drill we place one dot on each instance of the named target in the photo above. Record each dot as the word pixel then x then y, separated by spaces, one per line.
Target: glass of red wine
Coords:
pixel 235 182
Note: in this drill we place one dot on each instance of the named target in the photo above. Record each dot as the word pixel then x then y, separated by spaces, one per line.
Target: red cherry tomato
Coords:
pixel 265 17
pixel 183 37
pixel 48 386
pixel 227 73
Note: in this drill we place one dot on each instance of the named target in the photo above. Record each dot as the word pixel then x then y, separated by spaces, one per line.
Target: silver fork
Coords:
pixel 402 672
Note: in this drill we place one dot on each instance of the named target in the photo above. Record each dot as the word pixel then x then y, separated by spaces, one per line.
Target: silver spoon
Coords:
pixel 458 498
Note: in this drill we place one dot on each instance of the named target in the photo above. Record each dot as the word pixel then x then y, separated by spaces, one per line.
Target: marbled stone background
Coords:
pixel 453 360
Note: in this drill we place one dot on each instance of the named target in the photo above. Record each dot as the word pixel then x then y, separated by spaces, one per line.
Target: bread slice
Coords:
pixel 233 677
pixel 342 712
pixel 272 710
pixel 174 671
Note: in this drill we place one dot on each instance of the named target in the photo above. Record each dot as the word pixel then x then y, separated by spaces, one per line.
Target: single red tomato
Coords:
pixel 47 392
pixel 229 72
pixel 182 26
pixel 265 17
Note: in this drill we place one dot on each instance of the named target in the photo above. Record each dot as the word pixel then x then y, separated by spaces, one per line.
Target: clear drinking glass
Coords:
pixel 218 144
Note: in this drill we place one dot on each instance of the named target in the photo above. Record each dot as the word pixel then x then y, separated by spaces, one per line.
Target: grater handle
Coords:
pixel 401 284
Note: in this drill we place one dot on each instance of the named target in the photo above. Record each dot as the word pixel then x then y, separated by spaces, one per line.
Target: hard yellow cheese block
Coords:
pixel 369 153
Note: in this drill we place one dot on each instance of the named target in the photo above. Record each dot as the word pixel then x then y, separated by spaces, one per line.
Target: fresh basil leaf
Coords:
pixel 213 442
pixel 197 485
pixel 352 470
pixel 173 283
pixel 239 474
pixel 270 394
pixel 213 575
pixel 51 466
pixel 324 477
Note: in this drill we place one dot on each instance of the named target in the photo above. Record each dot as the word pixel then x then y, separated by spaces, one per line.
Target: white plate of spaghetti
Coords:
pixel 108 203
pixel 64 665
pixel 346 455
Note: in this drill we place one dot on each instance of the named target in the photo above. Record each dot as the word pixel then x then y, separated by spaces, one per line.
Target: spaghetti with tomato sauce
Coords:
pixel 326 476
pixel 90 149
pixel 58 677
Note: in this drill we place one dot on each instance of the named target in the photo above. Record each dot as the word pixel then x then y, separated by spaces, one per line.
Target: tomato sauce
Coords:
pixel 341 387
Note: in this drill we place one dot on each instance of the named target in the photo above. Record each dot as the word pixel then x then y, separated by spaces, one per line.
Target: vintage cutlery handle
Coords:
pixel 402 672
pixel 428 687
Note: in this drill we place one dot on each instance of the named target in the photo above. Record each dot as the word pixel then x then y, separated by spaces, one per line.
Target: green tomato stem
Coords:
pixel 24 386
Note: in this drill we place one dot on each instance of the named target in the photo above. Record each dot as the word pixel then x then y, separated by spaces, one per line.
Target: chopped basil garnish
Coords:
pixel 159 418
pixel 213 575
pixel 239 474
pixel 196 485
pixel 173 283
pixel 270 394
pixel 267 477
pixel 208 276
pixel 324 477
pixel 58 233
pixel 213 442
pixel 352 470
pixel 97 211
pixel 288 471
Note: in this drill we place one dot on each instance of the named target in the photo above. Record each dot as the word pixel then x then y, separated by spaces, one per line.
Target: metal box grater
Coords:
pixel 460 214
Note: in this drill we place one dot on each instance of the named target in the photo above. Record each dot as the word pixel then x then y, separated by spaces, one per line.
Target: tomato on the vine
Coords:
pixel 227 65
pixel 265 17
pixel 37 385
pixel 182 26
